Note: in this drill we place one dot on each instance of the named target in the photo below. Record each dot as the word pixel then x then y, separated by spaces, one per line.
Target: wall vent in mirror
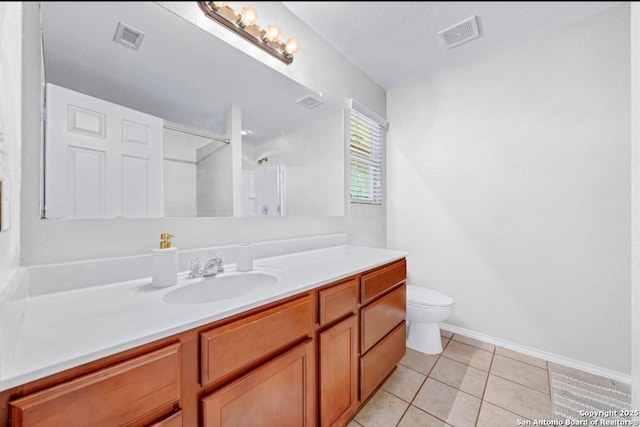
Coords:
pixel 310 101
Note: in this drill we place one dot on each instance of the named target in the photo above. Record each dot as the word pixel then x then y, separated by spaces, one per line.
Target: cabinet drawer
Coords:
pixel 173 420
pixel 277 393
pixel 231 347
pixel 337 301
pixel 376 283
pixel 380 361
pixel 118 395
pixel 381 316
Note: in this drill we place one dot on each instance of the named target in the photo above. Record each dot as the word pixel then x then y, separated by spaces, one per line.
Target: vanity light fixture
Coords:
pixel 244 24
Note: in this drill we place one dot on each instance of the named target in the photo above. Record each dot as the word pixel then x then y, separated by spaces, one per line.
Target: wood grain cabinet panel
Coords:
pixel 381 360
pixel 117 395
pixel 377 282
pixel 173 420
pixel 277 393
pixel 337 301
pixel 381 316
pixel 339 373
pixel 231 347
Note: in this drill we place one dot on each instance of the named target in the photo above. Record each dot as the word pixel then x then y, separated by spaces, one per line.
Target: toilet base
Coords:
pixel 424 337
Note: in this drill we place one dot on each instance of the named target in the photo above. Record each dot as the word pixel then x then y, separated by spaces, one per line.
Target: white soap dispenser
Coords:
pixel 244 257
pixel 165 263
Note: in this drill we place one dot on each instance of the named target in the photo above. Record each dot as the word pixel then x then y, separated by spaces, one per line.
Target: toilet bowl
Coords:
pixel 426 308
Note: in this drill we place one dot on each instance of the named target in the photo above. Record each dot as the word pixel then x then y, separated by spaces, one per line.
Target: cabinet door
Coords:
pixel 339 373
pixel 118 395
pixel 278 393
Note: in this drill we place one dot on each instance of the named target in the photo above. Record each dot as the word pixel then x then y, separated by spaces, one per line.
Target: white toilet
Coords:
pixel 426 308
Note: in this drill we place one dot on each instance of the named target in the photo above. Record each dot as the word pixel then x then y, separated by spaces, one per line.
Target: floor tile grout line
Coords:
pixel 524 417
pixel 422 385
pixel 403 414
pixel 465 364
pixel 461 391
pixel 475 346
pixel 546 362
pixel 486 382
pixel 421 373
pixel 520 361
pixel 523 385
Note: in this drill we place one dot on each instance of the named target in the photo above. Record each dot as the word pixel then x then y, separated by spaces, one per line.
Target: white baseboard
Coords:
pixel 550 357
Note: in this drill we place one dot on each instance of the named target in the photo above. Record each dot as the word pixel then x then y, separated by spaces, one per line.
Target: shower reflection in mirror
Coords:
pixel 197 173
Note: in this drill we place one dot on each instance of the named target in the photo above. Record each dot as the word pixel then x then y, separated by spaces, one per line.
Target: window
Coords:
pixel 366 136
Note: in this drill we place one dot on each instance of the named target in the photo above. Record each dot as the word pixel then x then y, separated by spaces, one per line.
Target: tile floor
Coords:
pixel 471 383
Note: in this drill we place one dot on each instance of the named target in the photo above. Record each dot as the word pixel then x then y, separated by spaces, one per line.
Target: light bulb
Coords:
pixel 292 46
pixel 218 4
pixel 248 16
pixel 273 33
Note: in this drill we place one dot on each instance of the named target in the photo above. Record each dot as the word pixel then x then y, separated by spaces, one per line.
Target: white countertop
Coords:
pixel 66 329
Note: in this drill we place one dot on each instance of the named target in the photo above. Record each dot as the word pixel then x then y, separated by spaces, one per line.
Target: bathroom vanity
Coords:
pixel 308 351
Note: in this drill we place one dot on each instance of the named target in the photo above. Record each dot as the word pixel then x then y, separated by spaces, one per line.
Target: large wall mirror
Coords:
pixel 139 117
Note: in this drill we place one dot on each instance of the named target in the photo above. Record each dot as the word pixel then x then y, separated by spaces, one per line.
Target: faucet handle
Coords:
pixel 194 268
pixel 219 265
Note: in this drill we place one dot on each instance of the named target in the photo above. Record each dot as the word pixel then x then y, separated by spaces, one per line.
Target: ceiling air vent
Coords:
pixel 310 101
pixel 128 36
pixel 460 33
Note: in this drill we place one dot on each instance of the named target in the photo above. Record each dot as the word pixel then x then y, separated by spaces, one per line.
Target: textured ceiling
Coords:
pixel 397 42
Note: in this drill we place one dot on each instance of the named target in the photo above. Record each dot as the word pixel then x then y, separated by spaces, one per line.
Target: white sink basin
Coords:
pixel 223 286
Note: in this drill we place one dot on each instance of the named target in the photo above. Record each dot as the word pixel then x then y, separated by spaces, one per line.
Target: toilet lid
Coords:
pixel 417 295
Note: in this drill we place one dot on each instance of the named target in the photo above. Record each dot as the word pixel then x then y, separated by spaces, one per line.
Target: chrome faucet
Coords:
pixel 211 267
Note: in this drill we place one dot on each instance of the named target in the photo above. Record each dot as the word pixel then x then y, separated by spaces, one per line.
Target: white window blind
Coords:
pixel 366 136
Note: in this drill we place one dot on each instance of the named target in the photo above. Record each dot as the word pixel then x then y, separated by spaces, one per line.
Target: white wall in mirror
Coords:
pixel 190 80
pixel 314 159
pixel 186 160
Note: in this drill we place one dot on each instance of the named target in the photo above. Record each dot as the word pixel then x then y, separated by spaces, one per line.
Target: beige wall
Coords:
pixel 510 187
pixel 318 67
pixel 10 120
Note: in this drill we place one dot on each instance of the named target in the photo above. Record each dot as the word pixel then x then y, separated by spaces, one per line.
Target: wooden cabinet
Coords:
pixel 337 301
pixel 309 359
pixel 381 316
pixel 274 388
pixel 123 394
pixel 278 393
pixel 382 324
pixel 381 280
pixel 380 361
pixel 232 347
pixel 339 372
pixel 173 420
